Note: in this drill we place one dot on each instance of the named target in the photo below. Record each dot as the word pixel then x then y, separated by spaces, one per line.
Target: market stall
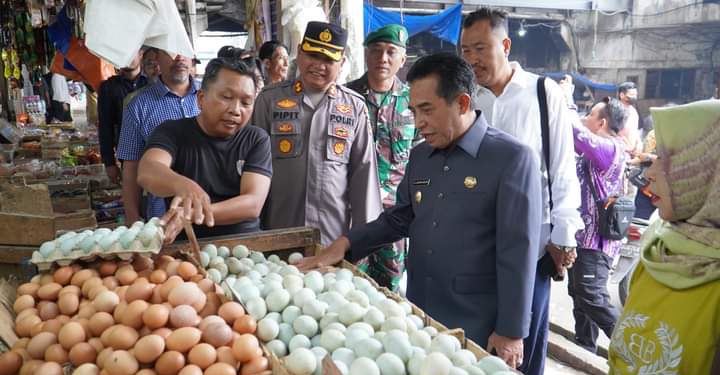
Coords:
pixel 114 301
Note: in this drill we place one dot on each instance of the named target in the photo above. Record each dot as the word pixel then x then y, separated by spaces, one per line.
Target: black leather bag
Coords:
pixel 615 212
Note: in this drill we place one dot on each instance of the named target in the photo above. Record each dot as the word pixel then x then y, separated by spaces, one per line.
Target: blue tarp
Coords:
pixel 445 25
pixel 584 80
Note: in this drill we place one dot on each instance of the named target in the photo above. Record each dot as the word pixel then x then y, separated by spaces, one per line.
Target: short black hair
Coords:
pixel 615 114
pixel 454 75
pixel 268 49
pixel 624 87
pixel 217 64
pixel 498 18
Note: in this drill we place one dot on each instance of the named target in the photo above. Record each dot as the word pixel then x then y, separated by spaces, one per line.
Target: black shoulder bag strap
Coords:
pixel 545 127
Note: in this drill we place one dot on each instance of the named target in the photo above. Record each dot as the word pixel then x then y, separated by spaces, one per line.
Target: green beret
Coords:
pixel 395 34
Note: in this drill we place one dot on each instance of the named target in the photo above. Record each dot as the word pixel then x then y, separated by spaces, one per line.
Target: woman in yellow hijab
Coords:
pixel 671 321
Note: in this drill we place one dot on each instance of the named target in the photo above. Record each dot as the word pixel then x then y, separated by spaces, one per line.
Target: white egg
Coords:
pixel 415 362
pixel 332 339
pixel 267 329
pixel 214 275
pixel 289 270
pixel 291 313
pixel 313 280
pixel 390 308
pixel 472 370
pixel 223 251
pixel 301 361
pixel 361 283
pixel 222 268
pixel 234 266
pixel 492 364
pixel 274 316
pixel 328 319
pixel 342 287
pixel 286 333
pixel 462 358
pixel 435 364
pixel 457 371
pixel 369 348
pixel 398 343
pixel 240 251
pixel 432 331
pixel 351 313
pixel 421 339
pixel 315 309
pixel 47 248
pixel 299 341
pixel 358 297
pixel 303 296
pixel 204 259
pixel 415 321
pixel 341 367
pixel 246 292
pixel 257 257
pixel 315 341
pixel 363 327
pixel 273 258
pixel 319 351
pixel 278 299
pixel 262 269
pixel 293 283
pixel 445 344
pixel 278 347
pixel 128 237
pixel 335 326
pixel 374 317
pixel 394 322
pixel 256 308
pixel 211 250
pixel 217 260
pixel 390 364
pixel 294 258
pixel 364 366
pixel 147 234
pixel 344 274
pixel 305 325
pixel 344 355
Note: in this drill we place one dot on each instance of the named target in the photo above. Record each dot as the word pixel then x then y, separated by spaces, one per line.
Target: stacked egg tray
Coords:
pixel 143 239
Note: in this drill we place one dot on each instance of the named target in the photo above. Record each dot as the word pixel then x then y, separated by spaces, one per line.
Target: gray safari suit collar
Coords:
pixel 471 140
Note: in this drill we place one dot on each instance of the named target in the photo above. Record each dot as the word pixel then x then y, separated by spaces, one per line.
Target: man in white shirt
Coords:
pixel 627 93
pixel 509 101
pixel 60 106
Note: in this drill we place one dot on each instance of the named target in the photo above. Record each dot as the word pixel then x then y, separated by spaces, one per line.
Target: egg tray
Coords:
pixel 115 252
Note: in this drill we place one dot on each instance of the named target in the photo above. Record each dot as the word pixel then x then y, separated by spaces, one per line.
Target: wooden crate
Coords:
pixel 33 230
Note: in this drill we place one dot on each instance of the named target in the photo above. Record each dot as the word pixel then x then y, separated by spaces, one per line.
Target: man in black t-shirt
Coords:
pixel 215 167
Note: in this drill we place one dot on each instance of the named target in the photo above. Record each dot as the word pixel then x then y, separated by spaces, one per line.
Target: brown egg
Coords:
pixel 48 310
pixel 81 276
pixel 245 324
pixel 186 270
pixel 156 316
pixel 103 356
pixel 71 334
pixel 36 329
pixel 28 368
pixel 29 289
pixel 56 353
pixel 63 319
pixel 97 344
pixel 245 347
pixel 183 339
pixel 87 369
pixel 99 322
pixel 85 323
pixel 21 343
pixel 82 353
pixel 139 291
pixel 90 284
pixel 96 290
pixel 123 338
pixel 121 362
pixel 39 344
pixel 142 263
pixel 49 368
pixel 68 304
pixel 126 275
pixel 217 334
pixel 183 316
pixel 210 308
pixel 171 283
pixel 206 285
pixel 170 363
pixel 106 301
pixel 220 369
pixel 158 277
pixel 23 302
pixel 146 371
pixel 149 348
pixel 255 366
pixel 25 325
pixel 132 316
pixel 63 275
pixel 53 326
pixel 197 278
pixel 172 267
pixel 46 278
pixel 190 370
pixel 50 291
pixel 110 282
pixel 10 363
pixel 120 310
pixel 86 311
pixel 225 355
pixel 107 334
pixel 210 319
pixel 71 289
pixel 107 268
pixel 230 311
pixel 163 332
pixel 203 355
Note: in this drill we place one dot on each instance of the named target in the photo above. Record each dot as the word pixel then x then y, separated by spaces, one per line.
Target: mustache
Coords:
pixel 179 65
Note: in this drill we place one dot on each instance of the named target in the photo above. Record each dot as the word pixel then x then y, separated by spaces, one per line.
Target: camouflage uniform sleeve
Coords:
pixel 365 200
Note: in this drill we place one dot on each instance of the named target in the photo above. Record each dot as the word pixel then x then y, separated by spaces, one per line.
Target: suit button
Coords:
pixel 446 168
pixel 441 195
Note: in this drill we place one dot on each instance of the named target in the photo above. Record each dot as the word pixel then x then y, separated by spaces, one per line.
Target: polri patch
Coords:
pixel 285 146
pixel 286 103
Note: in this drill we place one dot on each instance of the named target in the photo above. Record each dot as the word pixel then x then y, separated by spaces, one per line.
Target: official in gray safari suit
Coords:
pixel 470 203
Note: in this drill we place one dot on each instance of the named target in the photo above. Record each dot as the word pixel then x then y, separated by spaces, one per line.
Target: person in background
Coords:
pixel 111 96
pixel 568 88
pixel 601 167
pixel 627 94
pixel 468 203
pixel 388 100
pixel 60 104
pixel 150 65
pixel 509 99
pixel 275 60
pixel 172 97
pixel 670 321
pixel 213 169
pixel 246 57
pixel 324 165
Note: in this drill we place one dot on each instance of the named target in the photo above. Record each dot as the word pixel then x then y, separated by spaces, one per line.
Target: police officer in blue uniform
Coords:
pixel 470 202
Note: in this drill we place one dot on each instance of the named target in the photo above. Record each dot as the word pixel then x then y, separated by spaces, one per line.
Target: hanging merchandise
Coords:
pixel 116 30
pixel 444 25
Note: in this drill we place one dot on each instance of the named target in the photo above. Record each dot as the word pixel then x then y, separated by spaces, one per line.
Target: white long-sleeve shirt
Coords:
pixel 61 91
pixel 517 112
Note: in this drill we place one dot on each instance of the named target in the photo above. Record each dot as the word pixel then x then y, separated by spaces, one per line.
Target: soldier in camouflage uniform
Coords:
pixel 394 132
